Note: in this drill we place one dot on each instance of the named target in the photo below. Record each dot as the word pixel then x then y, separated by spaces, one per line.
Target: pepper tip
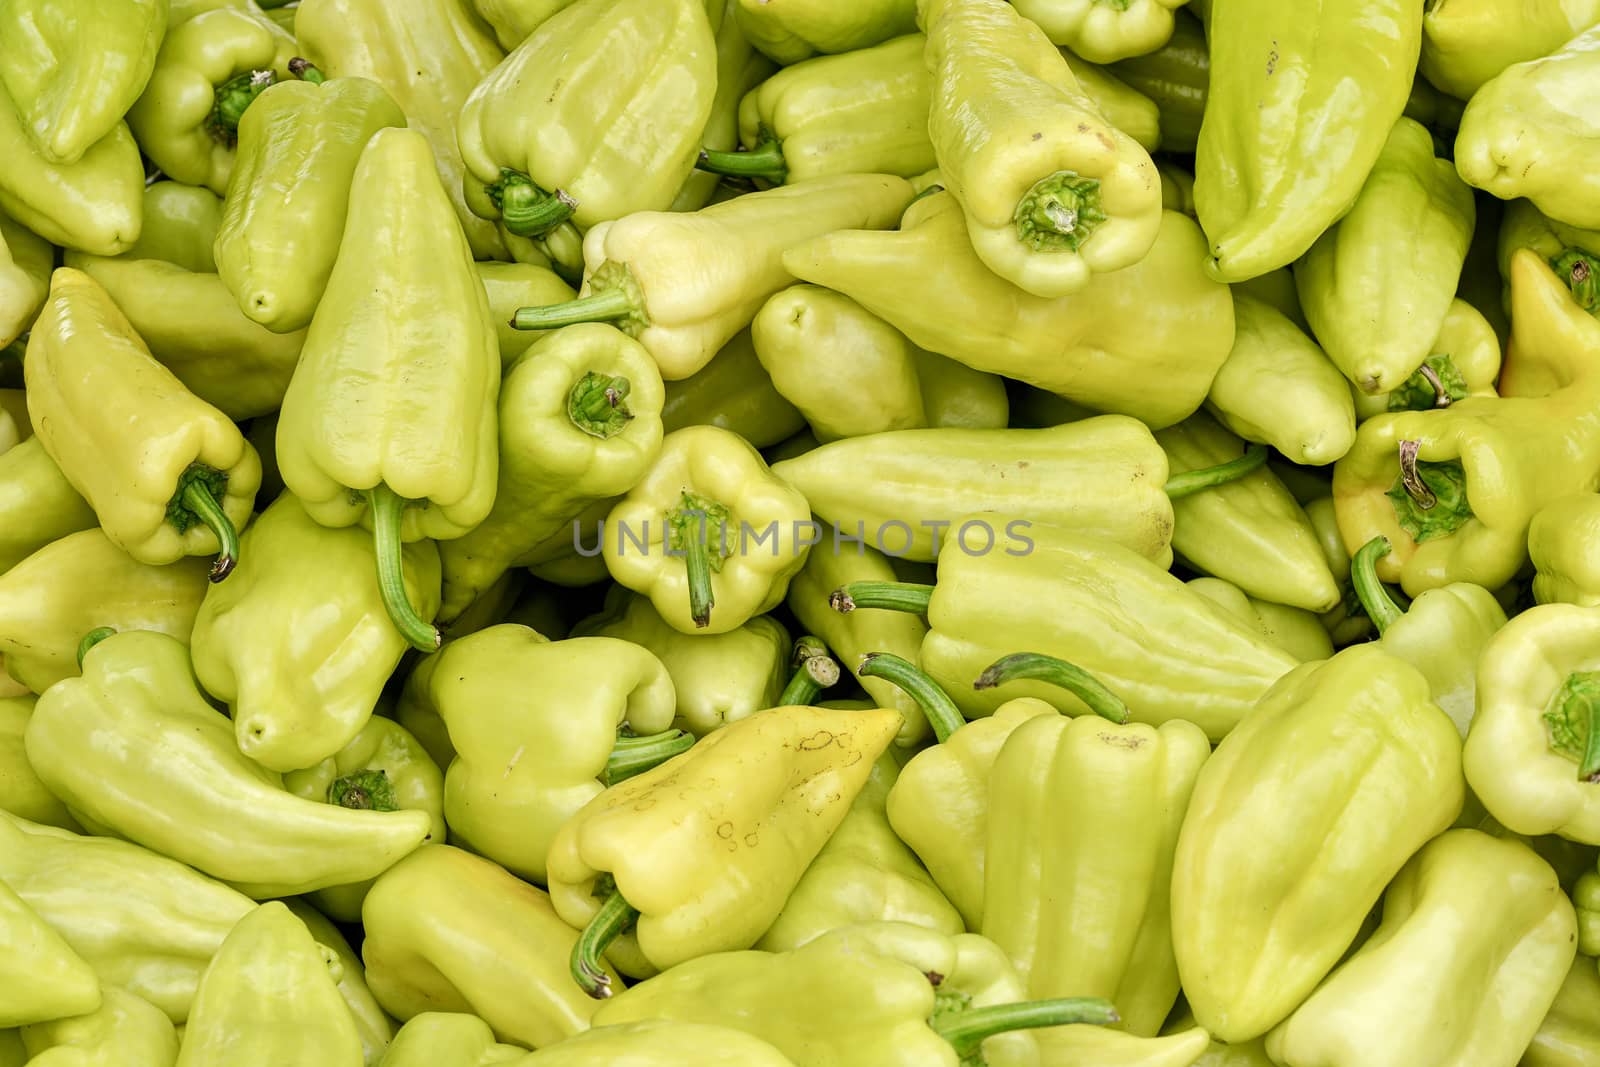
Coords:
pixel 221 567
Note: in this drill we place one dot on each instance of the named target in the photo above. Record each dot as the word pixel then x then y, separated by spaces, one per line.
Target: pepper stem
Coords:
pixel 942 713
pixel 613 919
pixel 1430 499
pixel 1573 716
pixel 1191 482
pixel 196 501
pixel 1059 212
pixel 90 639
pixel 635 755
pixel 302 69
pixel 1058 672
pixel 1375 599
pixel 1581 272
pixel 701 514
pixel 968 1029
pixel 387 511
pixel 527 210
pixel 815 671
pixel 611 304
pixel 908 597
pixel 764 161
pixel 232 98
pixel 1435 384
pixel 598 404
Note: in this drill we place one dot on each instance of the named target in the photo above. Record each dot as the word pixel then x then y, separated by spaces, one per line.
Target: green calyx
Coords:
pixel 232 98
pixel 196 501
pixel 90 639
pixel 614 297
pixel 598 404
pixel 1435 384
pixel 1059 213
pixel 1430 499
pixel 525 209
pixel 698 531
pixel 368 790
pixel 1571 716
pixel 764 161
pixel 1581 272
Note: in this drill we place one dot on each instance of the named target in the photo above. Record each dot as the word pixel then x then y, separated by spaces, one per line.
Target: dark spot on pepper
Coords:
pixel 725 830
pixel 819 740
pixel 1037 136
pixel 1128 741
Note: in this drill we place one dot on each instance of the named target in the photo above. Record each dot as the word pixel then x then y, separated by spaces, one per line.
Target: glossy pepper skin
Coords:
pixel 436 1037
pixel 126 1031
pixel 299 143
pixel 167 473
pixel 1305 811
pixel 180 225
pixel 1101 476
pixel 21 792
pixel 1466 43
pixel 1278 387
pixel 513 20
pixel 1295 630
pixel 1573 252
pixel 1532 113
pixel 144 922
pixel 1464 358
pixel 1377 285
pixel 1494 981
pixel 733 392
pixel 1080 901
pixel 372 1025
pixel 635 267
pixel 44 978
pixel 298 643
pixel 209 70
pixel 719 678
pixel 138 698
pixel 25 263
pixel 527 759
pixel 1248 531
pixel 73 74
pixel 660 1043
pixel 450 931
pixel 1487 464
pixel 1103 32
pixel 579 421
pixel 665 850
pixel 740 68
pixel 1569 1036
pixel 1052 193
pixel 708 497
pixel 514 285
pixel 1176 77
pixel 1272 169
pixel 37 503
pixel 527 133
pixel 797 29
pixel 1558 540
pixel 928 282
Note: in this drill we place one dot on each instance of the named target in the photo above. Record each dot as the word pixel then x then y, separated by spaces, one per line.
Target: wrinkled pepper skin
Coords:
pixel 126 1031
pixel 1569 1036
pixel 1490 463
pixel 927 281
pixel 144 922
pixel 904 490
pixel 25 263
pixel 289 192
pixel 863 874
pixel 1465 357
pixel 1052 193
pixel 1493 981
pixel 37 503
pixel 1176 77
pixel 1295 630
pixel 126 433
pixel 1300 818
pixel 661 835
pixel 1377 285
pixel 733 392
pixel 95 204
pixel 579 421
pixel 162 751
pixel 1248 531
pixel 180 225
pixel 44 978
pixel 444 1037
pixel 1104 32
pixel 719 678
pixel 1558 545
pixel 21 792
pixel 1539 112
pixel 660 1043
pixel 449 931
pixel 81 581
pixel 1075 920
pixel 73 73
pixel 792 30
pixel 528 136
pixel 1465 43
pixel 1279 388
pixel 1299 107
pixel 269 997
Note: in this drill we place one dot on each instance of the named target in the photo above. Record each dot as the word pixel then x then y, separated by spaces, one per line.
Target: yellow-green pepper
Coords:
pixel 372 1025
pixel 733 392
pixel 514 285
pixel 1463 361
pixel 1559 538
pixel 180 224
pixel 45 979
pixel 1574 253
pixel 21 792
pixel 126 1031
pixel 1103 32
pixel 797 29
pixel 446 1037
pixel 1176 77
pixel 1465 43
pixel 660 1043
pixel 1295 630
pixel 1569 1036
pixel 740 68
pixel 37 503
pixel 25 263
pixel 513 20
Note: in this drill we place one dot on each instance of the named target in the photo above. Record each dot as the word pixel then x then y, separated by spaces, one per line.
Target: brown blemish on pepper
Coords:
pixel 817 741
pixel 1128 741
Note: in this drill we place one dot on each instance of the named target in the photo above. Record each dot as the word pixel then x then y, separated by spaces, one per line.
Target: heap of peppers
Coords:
pixel 799 533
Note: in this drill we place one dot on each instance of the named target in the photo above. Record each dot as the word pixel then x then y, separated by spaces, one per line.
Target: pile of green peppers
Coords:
pixel 799 533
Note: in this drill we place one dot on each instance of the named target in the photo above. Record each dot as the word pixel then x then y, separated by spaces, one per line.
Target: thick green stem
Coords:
pixel 232 98
pixel 611 304
pixel 1190 482
pixel 1058 672
pixel 635 755
pixel 1059 212
pixel 814 671
pixel 196 502
pixel 1375 599
pixel 942 713
pixel 764 161
pixel 368 790
pixel 1430 499
pixel 908 597
pixel 90 639
pixel 691 531
pixel 967 1030
pixel 614 918
pixel 598 404
pixel 527 210
pixel 1581 272
pixel 302 69
pixel 387 511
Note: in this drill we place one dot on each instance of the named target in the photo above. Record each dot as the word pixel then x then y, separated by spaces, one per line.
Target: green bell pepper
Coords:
pixel 793 31
pixel 126 1031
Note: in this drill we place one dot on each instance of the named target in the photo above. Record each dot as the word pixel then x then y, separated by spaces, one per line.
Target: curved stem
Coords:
pixel 815 671
pixel 690 533
pixel 967 1030
pixel 635 755
pixel 302 69
pixel 611 304
pixel 764 161
pixel 1058 672
pixel 527 210
pixel 1375 599
pixel 387 511
pixel 614 918
pixel 598 404
pixel 1189 482
pixel 90 639
pixel 198 499
pixel 942 713
pixel 1416 488
pixel 888 596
